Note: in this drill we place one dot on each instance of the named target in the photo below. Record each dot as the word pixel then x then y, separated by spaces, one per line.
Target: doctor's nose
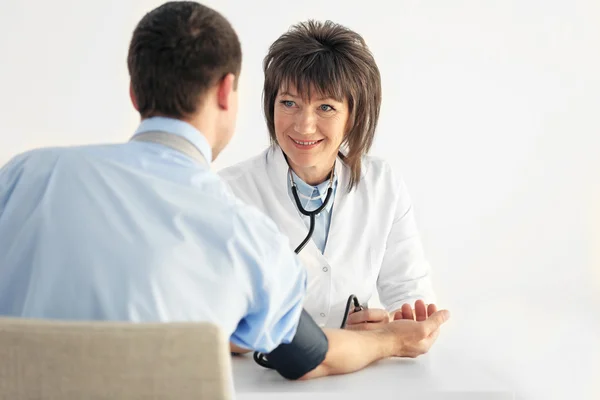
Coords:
pixel 305 123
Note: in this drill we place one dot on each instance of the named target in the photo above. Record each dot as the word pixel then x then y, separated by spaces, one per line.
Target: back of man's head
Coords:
pixel 178 52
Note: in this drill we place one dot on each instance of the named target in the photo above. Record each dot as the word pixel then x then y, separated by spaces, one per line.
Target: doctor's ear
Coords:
pixel 225 89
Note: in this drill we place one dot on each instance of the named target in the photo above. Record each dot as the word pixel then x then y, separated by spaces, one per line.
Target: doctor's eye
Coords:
pixel 287 103
pixel 326 107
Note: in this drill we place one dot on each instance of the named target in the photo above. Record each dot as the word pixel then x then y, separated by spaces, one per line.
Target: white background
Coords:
pixel 491 112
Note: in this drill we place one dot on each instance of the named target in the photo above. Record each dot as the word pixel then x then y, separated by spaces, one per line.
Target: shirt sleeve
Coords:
pixel 405 273
pixel 277 285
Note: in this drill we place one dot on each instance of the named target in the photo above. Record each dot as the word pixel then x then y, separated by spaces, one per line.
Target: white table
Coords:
pixel 438 375
pixel 510 346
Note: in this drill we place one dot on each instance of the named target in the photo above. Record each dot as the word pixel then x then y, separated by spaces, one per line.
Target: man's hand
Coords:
pixel 419 313
pixel 351 351
pixel 369 319
pixel 413 338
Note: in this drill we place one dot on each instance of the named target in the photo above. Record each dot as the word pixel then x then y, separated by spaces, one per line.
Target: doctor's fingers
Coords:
pixel 431 309
pixel 368 315
pixel 406 312
pixel 420 313
pixel 423 311
pixel 420 310
pixel 367 326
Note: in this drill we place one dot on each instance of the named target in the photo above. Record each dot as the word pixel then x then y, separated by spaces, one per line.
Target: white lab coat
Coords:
pixel 373 242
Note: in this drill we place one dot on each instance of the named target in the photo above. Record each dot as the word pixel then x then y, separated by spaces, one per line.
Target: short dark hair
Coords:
pixel 337 63
pixel 178 51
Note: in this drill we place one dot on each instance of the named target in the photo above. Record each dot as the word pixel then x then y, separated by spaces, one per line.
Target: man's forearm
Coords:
pixel 350 351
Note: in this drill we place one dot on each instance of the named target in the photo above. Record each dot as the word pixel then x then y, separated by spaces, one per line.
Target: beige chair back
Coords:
pixel 42 359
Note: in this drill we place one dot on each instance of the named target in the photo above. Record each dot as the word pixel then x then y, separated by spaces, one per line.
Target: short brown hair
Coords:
pixel 337 63
pixel 178 51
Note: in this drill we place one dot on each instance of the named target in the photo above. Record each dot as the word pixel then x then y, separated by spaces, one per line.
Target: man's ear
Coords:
pixel 224 91
pixel 132 97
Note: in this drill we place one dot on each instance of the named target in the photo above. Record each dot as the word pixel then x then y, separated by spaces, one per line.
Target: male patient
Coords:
pixel 144 231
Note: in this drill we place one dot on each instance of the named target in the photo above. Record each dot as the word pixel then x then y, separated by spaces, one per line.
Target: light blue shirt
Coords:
pixel 141 232
pixel 311 198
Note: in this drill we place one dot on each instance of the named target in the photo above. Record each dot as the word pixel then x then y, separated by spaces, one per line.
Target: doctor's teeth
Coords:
pixel 305 143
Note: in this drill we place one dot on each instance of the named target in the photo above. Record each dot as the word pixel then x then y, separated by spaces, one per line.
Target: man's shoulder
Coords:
pixel 51 154
pixel 44 153
pixel 36 162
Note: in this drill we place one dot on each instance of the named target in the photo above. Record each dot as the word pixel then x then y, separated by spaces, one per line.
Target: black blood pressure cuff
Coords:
pixel 306 351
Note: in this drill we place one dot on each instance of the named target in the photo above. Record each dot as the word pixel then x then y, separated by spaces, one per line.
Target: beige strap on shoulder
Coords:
pixel 175 142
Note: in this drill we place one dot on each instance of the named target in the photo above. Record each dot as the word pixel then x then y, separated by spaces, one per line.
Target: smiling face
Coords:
pixel 309 131
pixel 333 97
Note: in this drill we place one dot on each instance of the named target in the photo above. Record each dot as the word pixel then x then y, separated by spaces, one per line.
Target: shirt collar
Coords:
pixel 179 128
pixel 308 190
pixel 277 173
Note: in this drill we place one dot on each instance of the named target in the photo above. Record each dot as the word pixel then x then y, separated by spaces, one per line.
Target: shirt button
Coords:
pixel 325 269
pixel 323 315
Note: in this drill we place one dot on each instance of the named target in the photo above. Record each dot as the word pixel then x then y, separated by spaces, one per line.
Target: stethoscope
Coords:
pixel 311 214
pixel 260 358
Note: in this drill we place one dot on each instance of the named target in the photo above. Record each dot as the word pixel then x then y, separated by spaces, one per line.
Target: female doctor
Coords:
pixel 322 96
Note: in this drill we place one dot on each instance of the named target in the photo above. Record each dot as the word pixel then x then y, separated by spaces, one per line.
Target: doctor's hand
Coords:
pixel 369 319
pixel 419 313
pixel 414 338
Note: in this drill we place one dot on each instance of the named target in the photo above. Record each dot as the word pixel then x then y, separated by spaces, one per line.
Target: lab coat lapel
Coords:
pixel 336 236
